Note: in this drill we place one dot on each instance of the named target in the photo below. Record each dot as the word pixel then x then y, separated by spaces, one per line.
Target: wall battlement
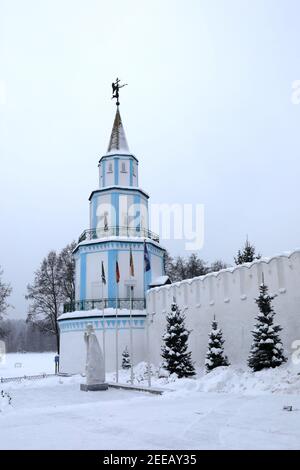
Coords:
pixel 230 295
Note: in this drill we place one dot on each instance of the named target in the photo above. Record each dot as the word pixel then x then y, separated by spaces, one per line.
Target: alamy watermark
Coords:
pixel 295 96
pixel 2 92
pixel 170 221
pixel 179 222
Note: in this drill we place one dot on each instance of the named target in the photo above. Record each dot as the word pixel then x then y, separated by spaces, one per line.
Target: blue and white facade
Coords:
pixel 119 225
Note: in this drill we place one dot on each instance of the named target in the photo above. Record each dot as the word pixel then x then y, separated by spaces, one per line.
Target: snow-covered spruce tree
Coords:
pixel 174 352
pixel 247 255
pixel 266 350
pixel 215 354
pixel 126 364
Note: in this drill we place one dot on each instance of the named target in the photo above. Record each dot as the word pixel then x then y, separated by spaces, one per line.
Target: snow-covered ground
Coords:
pixel 19 364
pixel 229 408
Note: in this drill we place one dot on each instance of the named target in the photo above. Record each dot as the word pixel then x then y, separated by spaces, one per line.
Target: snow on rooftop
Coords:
pixel 124 187
pixel 99 313
pixel 160 281
pixel 119 239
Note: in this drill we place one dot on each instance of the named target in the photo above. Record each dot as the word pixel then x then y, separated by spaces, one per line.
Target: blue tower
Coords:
pixel 118 237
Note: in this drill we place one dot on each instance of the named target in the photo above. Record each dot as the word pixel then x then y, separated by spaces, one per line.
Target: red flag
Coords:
pixel 131 264
pixel 117 273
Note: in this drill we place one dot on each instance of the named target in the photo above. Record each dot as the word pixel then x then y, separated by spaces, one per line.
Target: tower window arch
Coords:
pixel 123 167
pixel 110 168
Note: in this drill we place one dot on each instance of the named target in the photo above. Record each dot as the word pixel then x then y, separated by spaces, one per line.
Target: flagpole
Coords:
pixel 103 331
pixel 131 271
pixel 147 322
pixel 131 338
pixel 144 284
pixel 148 350
pixel 117 336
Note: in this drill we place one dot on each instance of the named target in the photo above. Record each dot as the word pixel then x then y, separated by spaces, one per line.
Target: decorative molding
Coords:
pixel 124 156
pixel 100 324
pixel 105 244
pixel 119 190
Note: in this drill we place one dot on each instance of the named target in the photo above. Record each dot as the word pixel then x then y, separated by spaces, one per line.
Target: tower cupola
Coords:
pixel 118 167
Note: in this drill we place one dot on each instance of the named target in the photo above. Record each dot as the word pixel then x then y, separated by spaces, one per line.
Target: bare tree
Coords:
pixel 195 266
pixel 175 268
pixel 66 269
pixel 46 296
pixel 5 291
pixel 180 268
pixel 20 335
pixel 53 285
pixel 169 265
pixel 217 266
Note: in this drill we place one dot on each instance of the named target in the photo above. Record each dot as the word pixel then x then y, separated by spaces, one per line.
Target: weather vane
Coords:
pixel 115 88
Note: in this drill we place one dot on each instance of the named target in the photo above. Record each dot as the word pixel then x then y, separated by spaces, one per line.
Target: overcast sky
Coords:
pixel 207 111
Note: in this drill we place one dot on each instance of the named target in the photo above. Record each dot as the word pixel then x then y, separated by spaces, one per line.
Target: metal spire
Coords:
pixel 118 142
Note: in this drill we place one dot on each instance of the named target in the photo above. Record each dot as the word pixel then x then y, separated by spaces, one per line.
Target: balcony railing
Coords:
pixel 120 231
pixel 100 304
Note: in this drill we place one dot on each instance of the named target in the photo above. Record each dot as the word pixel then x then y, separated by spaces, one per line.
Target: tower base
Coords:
pixel 93 387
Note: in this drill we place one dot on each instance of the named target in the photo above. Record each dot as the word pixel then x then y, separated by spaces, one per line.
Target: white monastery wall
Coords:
pixel 229 294
pixel 73 348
